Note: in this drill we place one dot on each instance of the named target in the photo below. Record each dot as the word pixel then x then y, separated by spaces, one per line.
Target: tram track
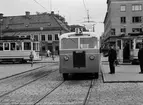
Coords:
pixel 58 85
pixel 26 83
pixel 24 74
pixel 87 97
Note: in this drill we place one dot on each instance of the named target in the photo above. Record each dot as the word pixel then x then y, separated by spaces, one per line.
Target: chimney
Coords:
pixel 27 13
pixel 1 15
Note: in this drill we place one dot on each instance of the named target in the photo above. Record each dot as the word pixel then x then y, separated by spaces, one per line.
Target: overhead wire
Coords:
pixel 41 5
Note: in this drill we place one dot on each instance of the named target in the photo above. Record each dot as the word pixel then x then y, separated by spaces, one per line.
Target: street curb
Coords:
pixel 22 72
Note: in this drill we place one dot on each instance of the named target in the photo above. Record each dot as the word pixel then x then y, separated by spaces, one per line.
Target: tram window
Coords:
pixel 69 43
pixel 1 46
pixel 18 46
pixel 12 46
pixel 88 43
pixel 27 45
pixel 6 46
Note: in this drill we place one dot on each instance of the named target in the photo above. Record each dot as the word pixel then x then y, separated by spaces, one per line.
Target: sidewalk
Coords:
pixel 123 73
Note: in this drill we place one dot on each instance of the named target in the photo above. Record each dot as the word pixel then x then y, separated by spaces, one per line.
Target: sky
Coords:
pixel 74 11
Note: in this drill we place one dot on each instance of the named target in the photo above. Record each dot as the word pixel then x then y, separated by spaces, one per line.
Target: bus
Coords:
pixel 79 53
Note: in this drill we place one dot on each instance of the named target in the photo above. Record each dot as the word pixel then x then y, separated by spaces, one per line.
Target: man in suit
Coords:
pixel 140 58
pixel 112 57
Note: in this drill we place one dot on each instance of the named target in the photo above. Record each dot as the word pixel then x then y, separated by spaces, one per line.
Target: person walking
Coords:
pixel 31 56
pixel 112 57
pixel 140 58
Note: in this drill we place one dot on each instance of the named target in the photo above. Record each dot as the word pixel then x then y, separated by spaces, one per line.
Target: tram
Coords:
pixel 135 45
pixel 17 49
pixel 79 53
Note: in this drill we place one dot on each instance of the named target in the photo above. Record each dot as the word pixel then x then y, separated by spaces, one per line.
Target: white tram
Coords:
pixel 17 49
pixel 79 53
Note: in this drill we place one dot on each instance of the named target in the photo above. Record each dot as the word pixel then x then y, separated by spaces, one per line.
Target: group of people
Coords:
pixel 112 58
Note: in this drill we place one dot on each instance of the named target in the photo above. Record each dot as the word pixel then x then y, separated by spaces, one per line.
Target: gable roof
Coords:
pixel 33 22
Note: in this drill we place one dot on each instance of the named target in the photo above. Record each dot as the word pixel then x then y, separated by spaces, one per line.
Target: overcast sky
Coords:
pixel 74 11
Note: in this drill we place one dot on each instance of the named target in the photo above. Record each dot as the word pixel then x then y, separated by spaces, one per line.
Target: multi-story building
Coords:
pixel 43 29
pixel 123 17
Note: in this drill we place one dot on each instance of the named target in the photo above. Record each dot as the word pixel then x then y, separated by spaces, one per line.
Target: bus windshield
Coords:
pixel 69 43
pixel 88 43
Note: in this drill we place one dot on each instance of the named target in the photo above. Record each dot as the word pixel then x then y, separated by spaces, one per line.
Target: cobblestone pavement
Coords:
pixel 9 84
pixel 29 94
pixel 71 92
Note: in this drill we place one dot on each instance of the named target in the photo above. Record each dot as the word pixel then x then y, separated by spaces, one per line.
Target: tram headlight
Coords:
pixel 66 58
pixel 92 57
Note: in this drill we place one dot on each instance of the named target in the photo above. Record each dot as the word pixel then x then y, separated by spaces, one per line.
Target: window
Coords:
pixel 136 30
pixel 27 45
pixel 18 46
pixel 88 43
pixel 13 46
pixel 56 37
pixel 35 37
pixel 6 46
pixel 136 19
pixel 113 32
pixel 43 37
pixel 123 8
pixel 36 46
pixel 123 30
pixel 123 19
pixel 138 43
pixel 1 46
pixel 136 7
pixel 49 37
pixel 69 43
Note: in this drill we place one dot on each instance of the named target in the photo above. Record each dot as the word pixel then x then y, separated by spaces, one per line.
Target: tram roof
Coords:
pixel 73 34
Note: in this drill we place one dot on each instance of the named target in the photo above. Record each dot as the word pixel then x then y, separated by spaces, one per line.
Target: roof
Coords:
pixel 33 22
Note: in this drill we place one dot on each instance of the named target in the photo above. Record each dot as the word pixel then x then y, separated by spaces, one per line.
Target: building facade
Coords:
pixel 43 29
pixel 123 17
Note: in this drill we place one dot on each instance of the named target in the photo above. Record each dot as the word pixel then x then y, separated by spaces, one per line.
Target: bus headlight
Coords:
pixel 66 58
pixel 92 57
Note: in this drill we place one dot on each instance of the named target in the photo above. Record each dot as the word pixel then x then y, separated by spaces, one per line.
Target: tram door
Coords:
pixel 126 50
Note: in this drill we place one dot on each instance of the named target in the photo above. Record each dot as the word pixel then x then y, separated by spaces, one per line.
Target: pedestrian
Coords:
pixel 48 53
pixel 112 57
pixel 52 55
pixel 140 57
pixel 31 56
